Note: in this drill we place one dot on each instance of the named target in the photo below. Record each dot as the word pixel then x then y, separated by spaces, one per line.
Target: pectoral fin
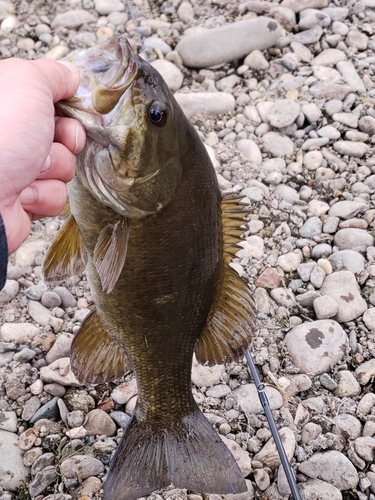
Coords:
pixel 96 356
pixel 231 320
pixel 110 253
pixel 66 256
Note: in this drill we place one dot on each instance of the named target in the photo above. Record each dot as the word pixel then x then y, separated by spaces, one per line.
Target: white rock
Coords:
pixel 328 57
pixel 277 144
pixel 185 12
pixel 313 160
pixel 350 75
pixel 343 288
pixel 21 333
pixel 256 60
pixel 59 372
pixel 269 455
pixel 12 469
pixel 311 111
pixel 241 456
pixel 365 371
pixel 289 261
pixel 105 7
pixel 347 209
pixel 72 19
pixel 208 104
pixel 348 119
pixel 357 149
pixel 207 48
pixel 9 291
pixel 316 346
pixel 206 376
pixel 169 71
pixel 250 151
pixel 25 255
pixel 353 239
pixel 319 490
pixel 369 318
pixel 283 112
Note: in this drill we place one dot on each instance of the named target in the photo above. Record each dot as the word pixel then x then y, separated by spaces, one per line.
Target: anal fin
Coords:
pixel 231 319
pixel 96 356
pixel 110 252
pixel 66 257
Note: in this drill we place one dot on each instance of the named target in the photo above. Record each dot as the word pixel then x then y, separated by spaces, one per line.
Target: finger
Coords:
pixel 60 164
pixel 62 76
pixel 70 133
pixel 44 198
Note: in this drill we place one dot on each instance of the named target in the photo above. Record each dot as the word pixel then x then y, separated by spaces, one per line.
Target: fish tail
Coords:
pixel 189 454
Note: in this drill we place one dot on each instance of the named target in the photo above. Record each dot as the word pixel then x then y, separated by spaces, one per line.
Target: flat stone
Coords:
pixel 278 144
pixel 48 411
pixel 347 385
pixel 356 149
pixel 328 57
pixel 208 104
pixel 365 447
pixel 325 90
pixel 343 288
pixel 283 113
pixel 319 490
pixel 347 119
pixel 206 48
pixel 347 209
pixel 348 424
pixel 98 422
pixel 353 239
pixel 61 348
pixel 312 17
pixel 365 371
pixel 20 333
pixel 269 278
pixel 169 71
pixel 248 399
pixel 9 291
pixel 310 36
pixel 250 151
pixel 350 75
pixel 299 5
pixel 333 467
pixel 8 421
pixel 42 480
pixel 81 466
pixel 312 227
pixel 269 455
pixel 241 456
pixel 60 372
pixel 72 19
pixel 317 346
pixel 256 60
pixel 349 260
pixel 67 298
pixel 105 7
pixel 283 297
pixel 12 470
pixel 311 111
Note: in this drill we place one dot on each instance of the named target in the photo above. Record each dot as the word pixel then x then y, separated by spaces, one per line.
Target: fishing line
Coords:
pixel 138 33
pixel 271 422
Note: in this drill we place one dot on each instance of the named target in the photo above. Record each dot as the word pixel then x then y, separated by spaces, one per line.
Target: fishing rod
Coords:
pixel 271 422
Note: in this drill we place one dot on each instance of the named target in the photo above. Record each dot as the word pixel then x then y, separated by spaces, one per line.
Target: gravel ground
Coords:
pixel 282 94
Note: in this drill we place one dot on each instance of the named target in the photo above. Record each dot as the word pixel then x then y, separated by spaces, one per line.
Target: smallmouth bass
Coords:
pixel 150 227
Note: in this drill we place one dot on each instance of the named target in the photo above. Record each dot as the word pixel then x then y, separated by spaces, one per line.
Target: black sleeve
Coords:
pixel 3 254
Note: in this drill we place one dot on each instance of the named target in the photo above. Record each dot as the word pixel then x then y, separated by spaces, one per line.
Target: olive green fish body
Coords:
pixel 150 227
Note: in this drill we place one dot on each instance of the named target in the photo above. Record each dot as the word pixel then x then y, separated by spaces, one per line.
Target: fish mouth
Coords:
pixel 105 76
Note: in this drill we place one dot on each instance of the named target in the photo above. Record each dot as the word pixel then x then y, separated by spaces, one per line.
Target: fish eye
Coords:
pixel 157 114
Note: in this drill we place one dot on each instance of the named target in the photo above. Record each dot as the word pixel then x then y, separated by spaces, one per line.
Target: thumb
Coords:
pixel 62 76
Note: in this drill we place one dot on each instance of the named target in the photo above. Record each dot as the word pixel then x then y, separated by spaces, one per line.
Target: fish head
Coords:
pixel 131 160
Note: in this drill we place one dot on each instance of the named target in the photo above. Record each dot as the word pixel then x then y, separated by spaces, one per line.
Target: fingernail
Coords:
pixel 80 138
pixel 28 196
pixel 69 65
pixel 46 165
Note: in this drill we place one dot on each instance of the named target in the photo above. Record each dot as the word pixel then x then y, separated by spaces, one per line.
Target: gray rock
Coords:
pixel 208 104
pixel 347 385
pixel 206 48
pixel 326 90
pixel 347 209
pixel 81 467
pixel 51 300
pixel 256 60
pixel 328 57
pixel 12 470
pixel 328 131
pixel 311 227
pixel 72 19
pixel 325 307
pixel 347 119
pixel 343 288
pixel 60 372
pixel 333 106
pixel 327 382
pixel 105 7
pixel 289 261
pixel 61 348
pixel 32 405
pixel 250 151
pixel 9 291
pixel 248 399
pixel 365 447
pixel 42 480
pixel 357 40
pixel 24 355
pixel 367 124
pixel 308 298
pixel 27 252
pixel 35 292
pixel 121 418
pixel 348 259
pixel 350 75
pixel 336 13
pixel 67 299
pixel 169 71
pixel 206 376
pixel 313 17
pixel 348 424
pixel 316 346
pixel 353 239
pixel 311 111
pixel 356 149
pixel 310 431
pixel 333 467
pixel 299 5
pixel 154 42
pixel 49 411
pixel 8 421
pixel 241 456
pixel 283 297
pixel 317 277
pixel 185 12
pixel 283 112
pixel 365 371
pixel 369 318
pixel 310 36
pixel 319 490
pixel 98 422
pixel 277 144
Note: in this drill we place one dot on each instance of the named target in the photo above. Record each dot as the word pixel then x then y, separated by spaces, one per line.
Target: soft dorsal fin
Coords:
pixel 96 356
pixel 231 320
pixel 66 257
pixel 110 252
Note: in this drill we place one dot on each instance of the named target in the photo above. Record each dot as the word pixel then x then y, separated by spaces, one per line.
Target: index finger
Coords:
pixel 62 76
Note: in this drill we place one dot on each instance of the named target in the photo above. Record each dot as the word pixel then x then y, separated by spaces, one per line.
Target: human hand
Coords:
pixel 36 147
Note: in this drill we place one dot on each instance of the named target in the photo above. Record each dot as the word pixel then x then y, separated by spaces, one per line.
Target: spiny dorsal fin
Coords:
pixel 67 255
pixel 110 253
pixel 231 320
pixel 96 356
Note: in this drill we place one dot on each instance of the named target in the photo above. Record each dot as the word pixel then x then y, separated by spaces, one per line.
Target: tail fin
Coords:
pixel 189 454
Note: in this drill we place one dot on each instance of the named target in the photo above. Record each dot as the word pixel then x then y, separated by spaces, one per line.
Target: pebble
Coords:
pixel 278 144
pixel 343 288
pixel 8 421
pixel 369 318
pixel 256 60
pixel 9 291
pixel 206 48
pixel 81 467
pixel 321 490
pixel 365 371
pixel 170 72
pixel 350 148
pixel 49 410
pixel 317 346
pixel 20 333
pixel 27 252
pixel 350 75
pixel 248 399
pixel 353 239
pixel 185 12
pixel 59 372
pixel 309 36
pixel 283 112
pixel 72 19
pixel 311 227
pixel 328 57
pixel 250 151
pixel 208 104
pixel 99 422
pixel 347 385
pixel 206 376
pixel 67 299
pixel 348 424
pixel 105 7
pixel 269 456
pixel 242 457
pixel 13 469
pixel 348 259
pixel 61 348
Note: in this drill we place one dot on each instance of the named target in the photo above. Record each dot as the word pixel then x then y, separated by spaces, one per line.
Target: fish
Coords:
pixel 149 225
